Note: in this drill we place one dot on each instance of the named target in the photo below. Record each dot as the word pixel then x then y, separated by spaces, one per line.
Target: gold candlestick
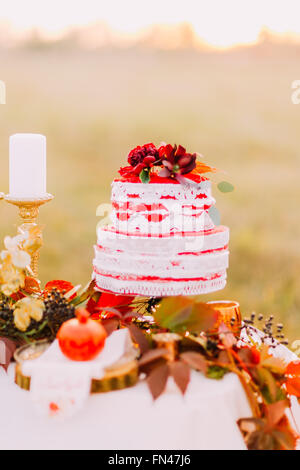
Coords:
pixel 1 196
pixel 29 211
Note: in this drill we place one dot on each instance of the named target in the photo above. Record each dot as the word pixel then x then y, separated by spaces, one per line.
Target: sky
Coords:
pixel 219 22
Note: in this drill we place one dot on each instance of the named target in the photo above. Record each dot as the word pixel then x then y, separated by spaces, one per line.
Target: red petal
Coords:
pixel 293 386
pixel 180 151
pixel 112 300
pixel 149 160
pixel 168 151
pixel 293 368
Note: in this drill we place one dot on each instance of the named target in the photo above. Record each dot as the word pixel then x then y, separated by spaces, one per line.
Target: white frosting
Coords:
pixel 161 208
pixel 159 288
pixel 162 241
pixel 175 266
pixel 201 241
pixel 154 192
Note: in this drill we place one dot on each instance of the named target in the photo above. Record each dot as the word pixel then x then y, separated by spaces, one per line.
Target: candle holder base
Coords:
pixel 29 211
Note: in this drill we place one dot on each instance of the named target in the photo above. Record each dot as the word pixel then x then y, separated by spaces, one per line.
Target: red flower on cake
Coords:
pixel 175 159
pixel 141 159
pixel 60 286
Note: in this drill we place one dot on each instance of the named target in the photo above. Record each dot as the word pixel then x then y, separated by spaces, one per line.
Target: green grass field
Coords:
pixel 234 108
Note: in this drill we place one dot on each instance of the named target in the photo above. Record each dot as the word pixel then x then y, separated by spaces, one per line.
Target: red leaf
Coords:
pixel 113 300
pixel 92 302
pixel 17 296
pixel 157 380
pixel 10 347
pixel 139 337
pixel 152 355
pixel 181 374
pixel 194 360
pixel 293 386
pixel 32 285
pixel 110 325
pixel 293 368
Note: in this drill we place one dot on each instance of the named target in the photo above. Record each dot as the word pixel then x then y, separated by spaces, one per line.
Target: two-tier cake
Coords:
pixel 162 240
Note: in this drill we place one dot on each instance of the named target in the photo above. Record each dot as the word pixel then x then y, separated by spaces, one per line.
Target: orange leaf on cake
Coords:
pixel 203 168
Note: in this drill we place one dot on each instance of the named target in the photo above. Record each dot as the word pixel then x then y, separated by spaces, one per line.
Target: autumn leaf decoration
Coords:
pixel 116 311
pixel 158 367
pixel 7 349
pixel 202 168
pixel 271 432
pixel 179 315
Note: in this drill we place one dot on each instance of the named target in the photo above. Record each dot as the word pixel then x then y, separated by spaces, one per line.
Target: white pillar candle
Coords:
pixel 27 166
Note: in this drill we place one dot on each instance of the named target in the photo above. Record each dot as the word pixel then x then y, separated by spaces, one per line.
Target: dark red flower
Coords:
pixel 141 157
pixel 176 160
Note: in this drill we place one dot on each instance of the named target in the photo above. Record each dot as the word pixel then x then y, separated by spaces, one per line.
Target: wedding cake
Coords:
pixel 162 240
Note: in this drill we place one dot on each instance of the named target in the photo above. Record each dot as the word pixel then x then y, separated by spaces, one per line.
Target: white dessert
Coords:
pixel 162 240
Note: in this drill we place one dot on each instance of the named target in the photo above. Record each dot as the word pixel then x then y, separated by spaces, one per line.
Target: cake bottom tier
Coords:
pixel 159 287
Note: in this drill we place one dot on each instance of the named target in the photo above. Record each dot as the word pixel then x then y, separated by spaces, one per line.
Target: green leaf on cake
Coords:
pixel 144 176
pixel 225 187
pixel 180 314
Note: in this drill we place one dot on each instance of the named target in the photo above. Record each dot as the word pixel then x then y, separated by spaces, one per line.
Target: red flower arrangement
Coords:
pixel 174 160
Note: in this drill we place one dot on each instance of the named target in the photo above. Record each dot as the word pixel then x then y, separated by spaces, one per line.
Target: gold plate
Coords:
pixel 122 374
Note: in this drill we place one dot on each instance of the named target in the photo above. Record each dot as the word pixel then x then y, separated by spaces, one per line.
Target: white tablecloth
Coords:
pixel 205 418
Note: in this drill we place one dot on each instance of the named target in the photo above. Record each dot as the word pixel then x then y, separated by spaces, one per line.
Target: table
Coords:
pixel 205 418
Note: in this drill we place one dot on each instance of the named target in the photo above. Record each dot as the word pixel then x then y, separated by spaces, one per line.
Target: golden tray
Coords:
pixel 118 376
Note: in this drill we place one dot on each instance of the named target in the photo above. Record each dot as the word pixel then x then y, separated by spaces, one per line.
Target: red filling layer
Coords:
pixel 192 253
pixel 218 229
pixel 160 279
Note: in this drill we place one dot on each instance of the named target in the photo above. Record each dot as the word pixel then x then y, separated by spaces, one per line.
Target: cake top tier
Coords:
pixel 167 164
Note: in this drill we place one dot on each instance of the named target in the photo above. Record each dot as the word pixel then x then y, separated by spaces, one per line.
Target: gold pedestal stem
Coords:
pixel 168 341
pixel 29 211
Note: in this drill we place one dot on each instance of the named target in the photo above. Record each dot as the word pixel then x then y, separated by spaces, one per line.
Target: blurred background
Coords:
pixel 100 77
